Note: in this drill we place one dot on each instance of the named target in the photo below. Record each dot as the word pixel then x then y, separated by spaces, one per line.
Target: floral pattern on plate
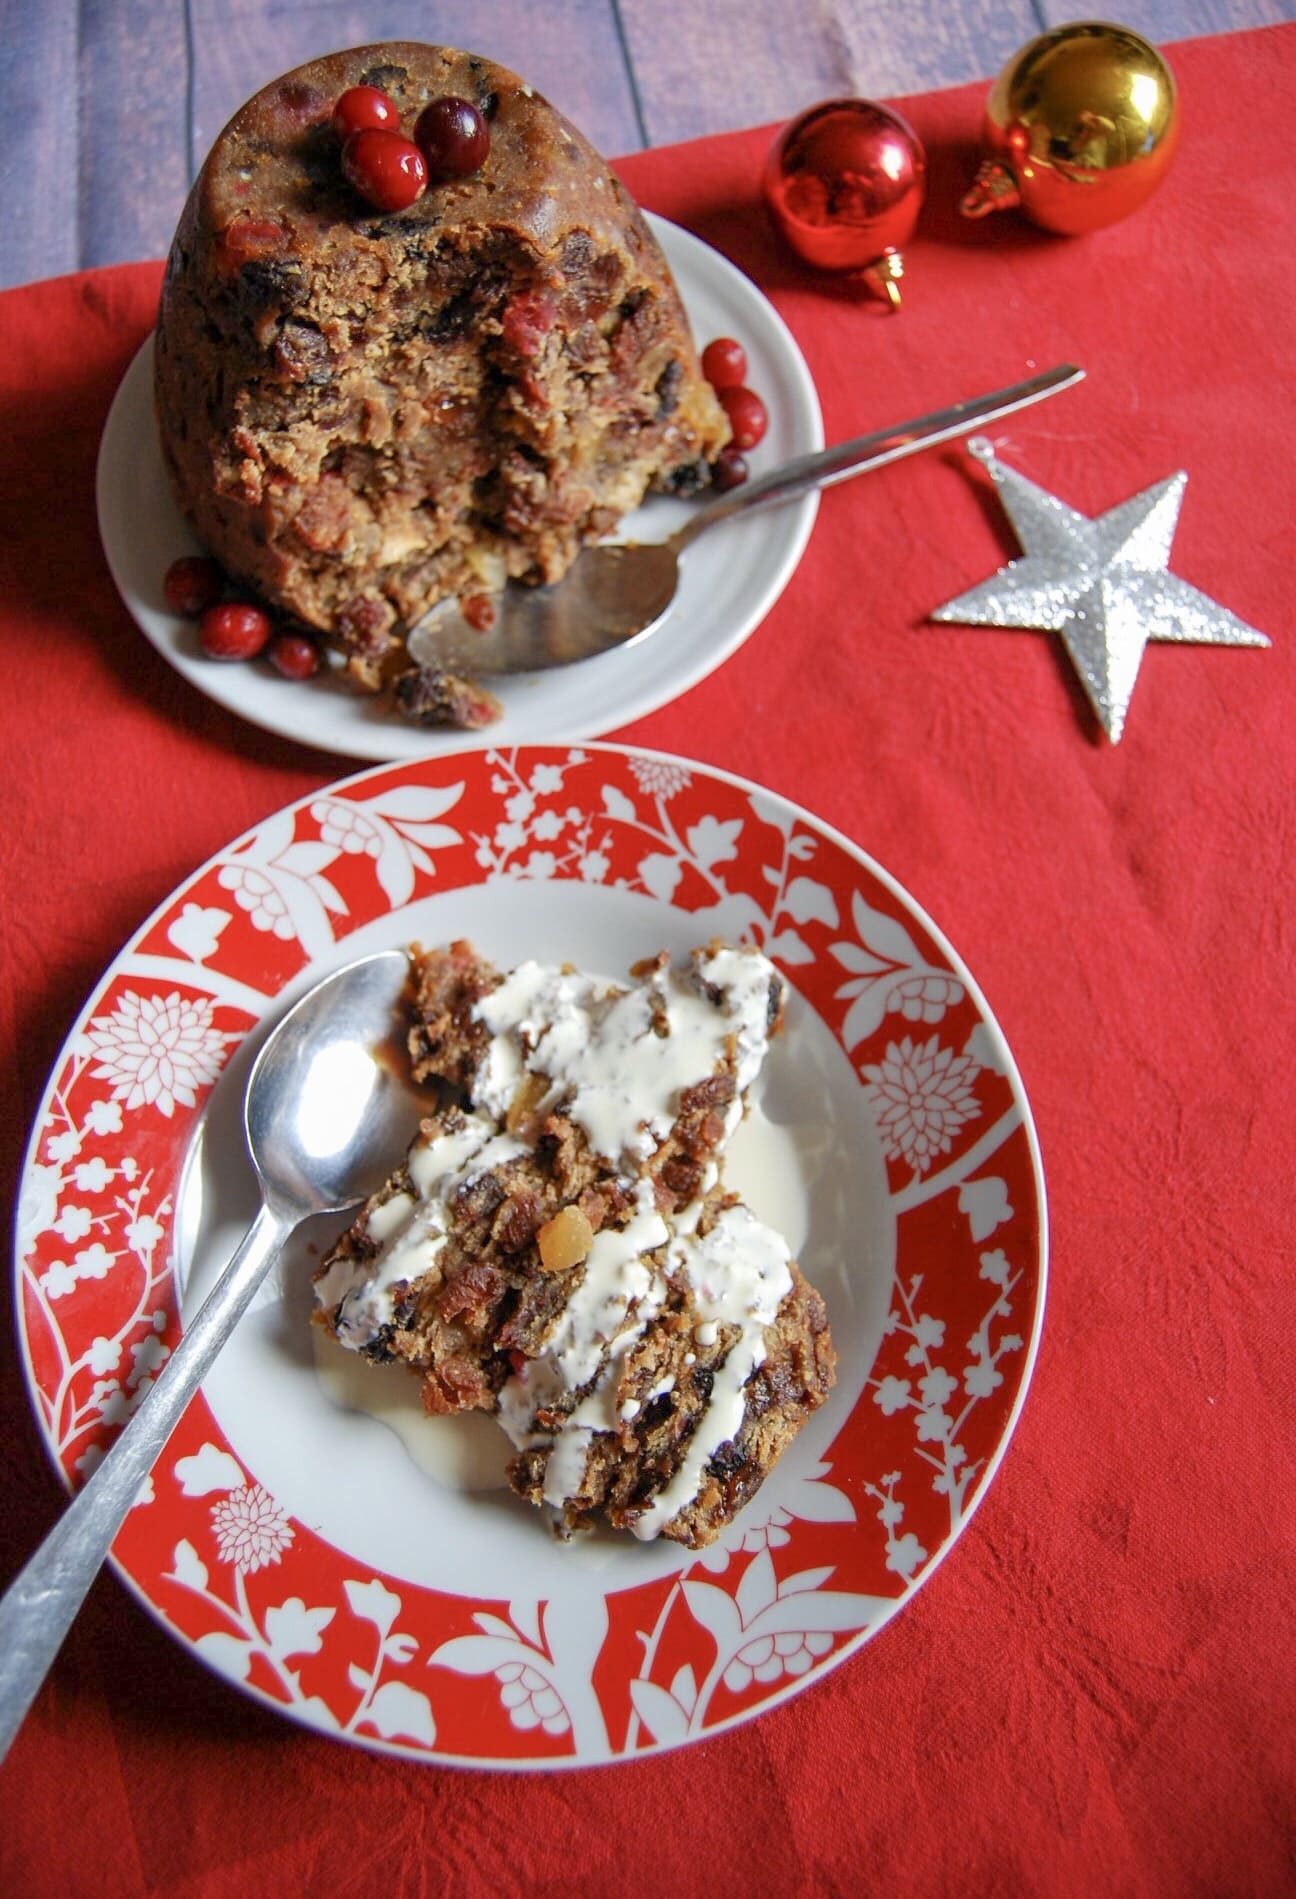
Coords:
pixel 828 1551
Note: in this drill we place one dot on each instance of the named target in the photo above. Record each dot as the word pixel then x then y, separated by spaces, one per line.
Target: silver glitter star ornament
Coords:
pixel 1102 584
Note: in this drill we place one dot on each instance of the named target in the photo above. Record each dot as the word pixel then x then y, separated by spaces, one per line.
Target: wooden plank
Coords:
pixel 1164 20
pixel 110 109
pixel 38 109
pixel 737 64
pixel 133 159
pixel 570 50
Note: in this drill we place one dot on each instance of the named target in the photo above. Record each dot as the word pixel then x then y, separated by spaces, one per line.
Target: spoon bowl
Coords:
pixel 324 1115
pixel 322 1105
pixel 613 595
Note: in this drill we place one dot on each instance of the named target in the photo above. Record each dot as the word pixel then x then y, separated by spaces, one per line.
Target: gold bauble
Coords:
pixel 1080 129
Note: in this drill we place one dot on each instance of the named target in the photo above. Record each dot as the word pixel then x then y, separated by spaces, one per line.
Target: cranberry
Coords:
pixel 747 416
pixel 295 655
pixel 724 363
pixel 453 137
pixel 192 585
pixel 384 168
pixel 730 470
pixel 364 109
pixel 237 630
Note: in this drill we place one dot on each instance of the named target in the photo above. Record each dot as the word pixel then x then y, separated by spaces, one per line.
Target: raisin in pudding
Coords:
pixel 559 1248
pixel 367 411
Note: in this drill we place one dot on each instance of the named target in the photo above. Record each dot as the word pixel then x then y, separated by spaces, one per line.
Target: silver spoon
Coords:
pixel 618 591
pixel 325 1118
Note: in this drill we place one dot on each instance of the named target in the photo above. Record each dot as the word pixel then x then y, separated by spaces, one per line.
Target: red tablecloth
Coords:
pixel 1096 1691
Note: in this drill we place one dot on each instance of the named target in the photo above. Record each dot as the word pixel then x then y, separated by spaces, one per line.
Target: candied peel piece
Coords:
pixel 565 1240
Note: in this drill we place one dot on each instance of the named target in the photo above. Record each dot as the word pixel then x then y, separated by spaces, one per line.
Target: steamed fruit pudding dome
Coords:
pixel 366 411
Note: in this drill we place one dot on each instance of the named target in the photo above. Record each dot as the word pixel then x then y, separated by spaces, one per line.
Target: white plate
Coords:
pixel 293 1543
pixel 731 578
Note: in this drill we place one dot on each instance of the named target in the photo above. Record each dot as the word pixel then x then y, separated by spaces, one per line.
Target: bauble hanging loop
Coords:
pixel 1080 128
pixel 844 183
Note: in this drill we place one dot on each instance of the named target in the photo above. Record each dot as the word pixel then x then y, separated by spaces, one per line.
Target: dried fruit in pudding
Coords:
pixel 428 696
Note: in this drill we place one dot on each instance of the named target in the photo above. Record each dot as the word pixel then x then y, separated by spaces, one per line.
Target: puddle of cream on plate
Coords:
pixel 764 1166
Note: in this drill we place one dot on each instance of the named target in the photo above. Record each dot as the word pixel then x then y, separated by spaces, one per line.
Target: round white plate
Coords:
pixel 373 1579
pixel 730 581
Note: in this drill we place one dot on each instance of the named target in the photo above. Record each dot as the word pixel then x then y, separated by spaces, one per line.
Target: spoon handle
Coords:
pixel 838 463
pixel 40 1603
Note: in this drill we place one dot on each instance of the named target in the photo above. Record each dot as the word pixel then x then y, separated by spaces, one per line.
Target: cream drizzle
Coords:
pixel 410 1229
pixel 620 1292
pixel 598 1045
pixel 739 1275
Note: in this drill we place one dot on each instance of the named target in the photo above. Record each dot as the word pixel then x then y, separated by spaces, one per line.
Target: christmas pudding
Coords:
pixel 367 410
pixel 559 1248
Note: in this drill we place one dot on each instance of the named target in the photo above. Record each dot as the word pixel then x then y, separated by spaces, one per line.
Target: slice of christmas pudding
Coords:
pixel 559 1247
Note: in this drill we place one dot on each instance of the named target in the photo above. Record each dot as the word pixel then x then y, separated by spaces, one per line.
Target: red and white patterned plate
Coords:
pixel 408 1602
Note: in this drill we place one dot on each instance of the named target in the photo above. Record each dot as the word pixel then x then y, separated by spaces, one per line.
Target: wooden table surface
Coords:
pixel 109 106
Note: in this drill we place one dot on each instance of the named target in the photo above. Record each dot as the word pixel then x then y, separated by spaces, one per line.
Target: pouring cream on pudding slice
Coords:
pixel 562 1251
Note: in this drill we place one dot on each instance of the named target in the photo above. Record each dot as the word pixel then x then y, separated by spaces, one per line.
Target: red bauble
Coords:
pixel 844 184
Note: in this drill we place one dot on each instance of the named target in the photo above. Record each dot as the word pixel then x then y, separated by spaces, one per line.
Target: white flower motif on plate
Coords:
pixel 157 1051
pixel 251 1529
pixel 922 1095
